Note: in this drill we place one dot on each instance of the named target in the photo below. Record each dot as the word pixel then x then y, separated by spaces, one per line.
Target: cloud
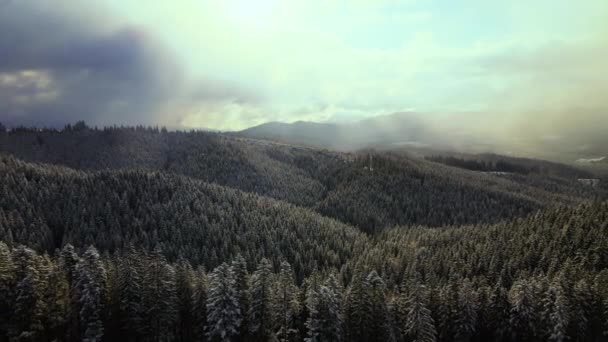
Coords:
pixel 504 74
pixel 66 61
pixel 56 68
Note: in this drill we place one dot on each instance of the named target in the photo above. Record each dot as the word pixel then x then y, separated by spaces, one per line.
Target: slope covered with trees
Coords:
pixel 145 235
pixel 48 207
pixel 210 157
pixel 548 282
pixel 399 190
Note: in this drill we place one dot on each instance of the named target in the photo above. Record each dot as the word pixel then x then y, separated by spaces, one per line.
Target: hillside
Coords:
pixel 155 245
pixel 279 172
pixel 401 190
pixel 388 130
pixel 48 207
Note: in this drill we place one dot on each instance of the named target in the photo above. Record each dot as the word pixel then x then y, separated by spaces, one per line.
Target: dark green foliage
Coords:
pixel 399 190
pixel 224 316
pixel 259 316
pixel 203 223
pixel 519 257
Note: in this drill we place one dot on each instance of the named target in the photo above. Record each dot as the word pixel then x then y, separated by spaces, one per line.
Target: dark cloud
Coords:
pixel 59 67
pixel 65 60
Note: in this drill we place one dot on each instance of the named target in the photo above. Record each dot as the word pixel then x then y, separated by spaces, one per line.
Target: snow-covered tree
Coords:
pixel 90 311
pixel 57 296
pixel 240 272
pixel 91 286
pixel 325 313
pixel 159 297
pixel 7 287
pixel 523 310
pixel 260 311
pixel 466 321
pixel 285 303
pixel 499 313
pixel 418 324
pixel 28 307
pixel 556 312
pixel 223 311
pixel 130 306
pixel 358 310
pixel 184 282
pixel 199 305
pixel 582 309
pixel 378 321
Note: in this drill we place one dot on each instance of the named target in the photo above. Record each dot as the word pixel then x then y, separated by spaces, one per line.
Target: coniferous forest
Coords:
pixel 142 234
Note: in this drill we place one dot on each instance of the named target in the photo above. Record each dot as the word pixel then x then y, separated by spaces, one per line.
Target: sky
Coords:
pixel 507 68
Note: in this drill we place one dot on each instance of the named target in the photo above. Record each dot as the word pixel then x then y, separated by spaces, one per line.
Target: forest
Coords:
pixel 142 234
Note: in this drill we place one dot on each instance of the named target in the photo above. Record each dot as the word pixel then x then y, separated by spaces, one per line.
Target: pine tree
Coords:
pixel 57 297
pixel 130 302
pixel 223 312
pixel 447 311
pixel 583 311
pixel 90 312
pixel 325 320
pixel 240 271
pixel 260 311
pixel 378 328
pixel 556 312
pixel 27 319
pixel 184 279
pixel 199 305
pixel 159 297
pixel 499 313
pixel 417 323
pixel 91 285
pixel 68 259
pixel 523 311
pixel 466 321
pixel 358 309
pixel 7 287
pixel 285 303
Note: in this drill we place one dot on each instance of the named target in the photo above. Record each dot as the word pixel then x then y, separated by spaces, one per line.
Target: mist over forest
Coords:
pixel 303 171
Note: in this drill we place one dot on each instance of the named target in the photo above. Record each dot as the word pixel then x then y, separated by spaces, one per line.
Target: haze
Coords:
pixel 517 74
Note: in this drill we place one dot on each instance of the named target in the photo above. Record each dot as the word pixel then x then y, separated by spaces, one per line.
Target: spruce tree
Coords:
pixel 184 281
pixel 159 297
pixel 199 305
pixel 241 278
pixel 28 310
pixel 223 311
pixel 91 286
pixel 58 299
pixel 417 324
pixel 285 303
pixel 524 313
pixel 260 312
pixel 378 324
pixel 131 306
pixel 499 313
pixel 7 287
pixel 325 313
pixel 466 321
pixel 358 308
pixel 556 312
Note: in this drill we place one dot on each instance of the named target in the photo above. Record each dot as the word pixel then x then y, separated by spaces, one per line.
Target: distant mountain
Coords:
pixel 455 132
pixel 397 129
pixel 300 132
